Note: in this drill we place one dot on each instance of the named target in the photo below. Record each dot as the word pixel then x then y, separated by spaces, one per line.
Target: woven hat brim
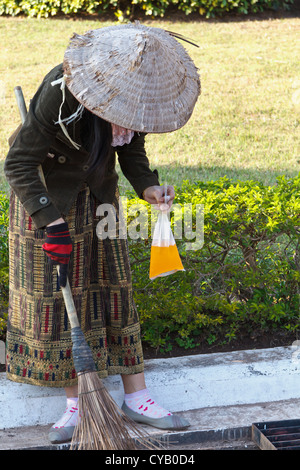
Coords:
pixel 134 76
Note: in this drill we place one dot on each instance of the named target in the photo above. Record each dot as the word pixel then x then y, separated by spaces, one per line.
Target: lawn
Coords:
pixel 245 126
pixel 246 121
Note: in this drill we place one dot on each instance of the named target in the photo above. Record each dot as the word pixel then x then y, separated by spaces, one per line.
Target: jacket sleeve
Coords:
pixel 135 165
pixel 28 152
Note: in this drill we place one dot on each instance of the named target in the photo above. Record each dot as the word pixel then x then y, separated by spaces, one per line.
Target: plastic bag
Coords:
pixel 164 256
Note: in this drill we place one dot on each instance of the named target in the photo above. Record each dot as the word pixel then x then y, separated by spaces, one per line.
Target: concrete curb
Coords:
pixel 181 384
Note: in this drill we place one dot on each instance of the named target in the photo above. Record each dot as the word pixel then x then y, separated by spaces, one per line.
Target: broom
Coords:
pixel 102 425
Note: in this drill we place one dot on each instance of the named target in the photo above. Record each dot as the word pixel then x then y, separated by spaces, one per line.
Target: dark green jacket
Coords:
pixel 66 172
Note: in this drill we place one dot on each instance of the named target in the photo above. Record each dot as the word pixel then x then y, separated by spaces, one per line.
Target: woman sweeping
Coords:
pixel 116 84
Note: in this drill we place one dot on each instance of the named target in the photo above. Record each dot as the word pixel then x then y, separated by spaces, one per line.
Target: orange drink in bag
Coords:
pixel 164 256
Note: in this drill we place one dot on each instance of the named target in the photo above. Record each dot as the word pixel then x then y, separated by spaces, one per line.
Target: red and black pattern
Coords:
pixel 58 246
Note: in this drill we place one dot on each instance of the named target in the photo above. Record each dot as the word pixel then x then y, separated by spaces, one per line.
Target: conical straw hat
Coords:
pixel 137 77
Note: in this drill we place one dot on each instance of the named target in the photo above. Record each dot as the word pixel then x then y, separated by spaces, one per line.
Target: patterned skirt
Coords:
pixel 39 347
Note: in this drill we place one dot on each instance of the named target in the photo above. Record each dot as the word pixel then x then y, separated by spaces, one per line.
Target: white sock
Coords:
pixel 70 416
pixel 142 403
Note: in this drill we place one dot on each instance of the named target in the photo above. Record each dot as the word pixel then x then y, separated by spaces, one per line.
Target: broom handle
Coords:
pixel 69 303
pixel 21 103
pixel 67 294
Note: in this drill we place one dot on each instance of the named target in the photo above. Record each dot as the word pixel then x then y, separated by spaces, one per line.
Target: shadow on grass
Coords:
pixel 176 174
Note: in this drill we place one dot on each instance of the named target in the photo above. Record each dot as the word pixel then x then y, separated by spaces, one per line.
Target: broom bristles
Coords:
pixel 102 425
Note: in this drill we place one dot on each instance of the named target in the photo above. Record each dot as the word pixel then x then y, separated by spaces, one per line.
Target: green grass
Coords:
pixel 246 122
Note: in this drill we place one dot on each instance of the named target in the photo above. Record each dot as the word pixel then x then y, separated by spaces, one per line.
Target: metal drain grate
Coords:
pixel 277 435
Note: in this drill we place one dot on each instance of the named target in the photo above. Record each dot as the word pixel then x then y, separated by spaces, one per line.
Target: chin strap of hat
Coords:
pixel 77 115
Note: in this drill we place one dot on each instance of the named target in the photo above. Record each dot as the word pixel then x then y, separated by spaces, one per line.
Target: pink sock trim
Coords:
pixel 142 403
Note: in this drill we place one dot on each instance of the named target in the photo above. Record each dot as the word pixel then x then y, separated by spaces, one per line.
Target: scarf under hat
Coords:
pixel 120 135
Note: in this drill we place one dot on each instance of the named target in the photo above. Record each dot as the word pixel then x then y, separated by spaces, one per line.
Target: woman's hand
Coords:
pixel 58 247
pixel 156 195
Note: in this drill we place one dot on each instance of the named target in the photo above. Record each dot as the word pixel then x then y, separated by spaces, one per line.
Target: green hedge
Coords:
pixel 244 279
pixel 123 9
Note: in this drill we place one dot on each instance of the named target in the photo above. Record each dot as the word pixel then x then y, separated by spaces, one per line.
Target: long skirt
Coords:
pixel 39 347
